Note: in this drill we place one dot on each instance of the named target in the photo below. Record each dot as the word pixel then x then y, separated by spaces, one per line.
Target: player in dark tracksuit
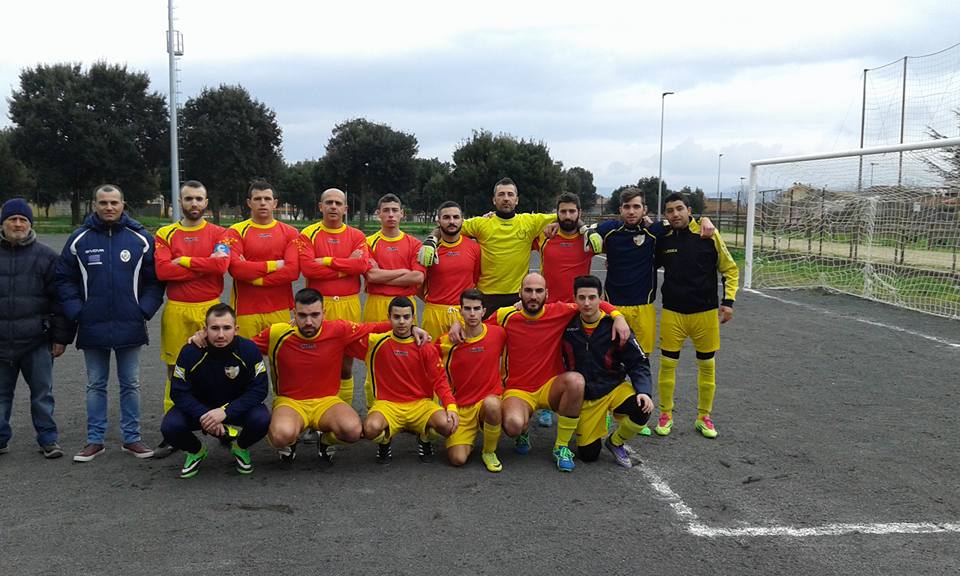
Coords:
pixel 224 382
pixel 605 364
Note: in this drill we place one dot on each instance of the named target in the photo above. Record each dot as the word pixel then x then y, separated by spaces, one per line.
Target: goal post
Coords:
pixel 881 223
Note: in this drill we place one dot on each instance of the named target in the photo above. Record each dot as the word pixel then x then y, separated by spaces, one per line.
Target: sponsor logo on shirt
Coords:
pixel 307 346
pixel 333 240
pixel 400 353
pixel 264 235
pixel 94 260
pixel 191 238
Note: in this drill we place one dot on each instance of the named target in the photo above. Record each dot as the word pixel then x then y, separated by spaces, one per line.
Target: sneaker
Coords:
pixel 191 464
pixel 619 453
pixel 664 424
pixel 325 452
pixel 645 431
pixel 138 449
pixel 384 453
pixel 163 450
pixel 564 458
pixel 89 452
pixel 51 451
pixel 288 453
pixel 491 461
pixel 521 444
pixel 4 449
pixel 704 425
pixel 242 456
pixel 424 450
pixel 544 418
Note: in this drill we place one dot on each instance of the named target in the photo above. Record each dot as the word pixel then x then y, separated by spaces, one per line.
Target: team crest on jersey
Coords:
pixel 639 239
pixel 232 371
pixel 124 255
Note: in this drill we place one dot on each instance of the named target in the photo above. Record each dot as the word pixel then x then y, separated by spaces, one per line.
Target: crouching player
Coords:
pixel 404 379
pixel 222 382
pixel 473 367
pixel 605 365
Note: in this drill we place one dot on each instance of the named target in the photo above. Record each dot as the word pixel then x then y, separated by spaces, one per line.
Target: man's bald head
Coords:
pixel 333 206
pixel 533 292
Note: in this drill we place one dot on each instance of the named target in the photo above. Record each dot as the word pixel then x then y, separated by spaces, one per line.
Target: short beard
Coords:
pixel 567 225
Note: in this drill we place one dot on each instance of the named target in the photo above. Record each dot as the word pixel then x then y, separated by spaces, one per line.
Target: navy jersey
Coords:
pixel 631 262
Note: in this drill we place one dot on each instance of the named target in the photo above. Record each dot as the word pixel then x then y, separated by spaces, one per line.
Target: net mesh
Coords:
pixel 885 227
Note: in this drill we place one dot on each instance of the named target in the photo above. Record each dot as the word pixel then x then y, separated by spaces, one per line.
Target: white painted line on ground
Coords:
pixel 863 320
pixel 698 528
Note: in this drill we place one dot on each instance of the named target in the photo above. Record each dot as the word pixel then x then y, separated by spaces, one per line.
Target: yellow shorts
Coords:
pixel 701 327
pixel 409 416
pixel 249 325
pixel 180 321
pixel 437 318
pixel 469 427
pixel 536 400
pixel 376 307
pixel 643 321
pixel 342 308
pixel 593 413
pixel 311 411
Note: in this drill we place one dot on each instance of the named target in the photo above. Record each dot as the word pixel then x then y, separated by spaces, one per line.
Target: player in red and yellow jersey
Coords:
pixel 535 376
pixel 304 361
pixel 405 378
pixel 188 260
pixel 333 257
pixel 473 368
pixel 457 269
pixel 566 255
pixel 264 263
pixel 394 268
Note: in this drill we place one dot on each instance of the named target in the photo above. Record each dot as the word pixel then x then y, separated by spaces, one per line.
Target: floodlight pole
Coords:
pixel 719 196
pixel 663 98
pixel 173 50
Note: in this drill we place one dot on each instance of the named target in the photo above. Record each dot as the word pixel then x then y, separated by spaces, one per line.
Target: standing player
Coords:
pixel 305 360
pixel 473 368
pixel 333 257
pixel 405 378
pixel 223 382
pixel 535 376
pixel 565 256
pixel 188 260
pixel 394 268
pixel 605 365
pixel 690 308
pixel 264 263
pixel 457 269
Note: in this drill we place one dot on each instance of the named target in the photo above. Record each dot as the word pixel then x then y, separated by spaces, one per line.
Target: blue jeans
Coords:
pixel 128 373
pixel 37 368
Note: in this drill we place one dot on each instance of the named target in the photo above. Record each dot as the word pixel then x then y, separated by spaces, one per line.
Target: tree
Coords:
pixel 946 163
pixel 368 158
pixel 298 186
pixel 649 186
pixel 431 185
pixel 16 178
pixel 485 158
pixel 75 130
pixel 227 140
pixel 696 198
pixel 579 181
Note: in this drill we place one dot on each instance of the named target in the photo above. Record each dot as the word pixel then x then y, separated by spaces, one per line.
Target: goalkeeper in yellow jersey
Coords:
pixel 691 308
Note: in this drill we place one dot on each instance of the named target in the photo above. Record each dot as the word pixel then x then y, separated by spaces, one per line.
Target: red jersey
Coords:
pixel 199 278
pixel 337 274
pixel 561 260
pixel 392 254
pixel 306 368
pixel 534 342
pixel 258 286
pixel 401 371
pixel 458 268
pixel 473 367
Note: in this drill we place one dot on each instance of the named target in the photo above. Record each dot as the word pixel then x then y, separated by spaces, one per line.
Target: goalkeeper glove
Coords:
pixel 427 255
pixel 591 239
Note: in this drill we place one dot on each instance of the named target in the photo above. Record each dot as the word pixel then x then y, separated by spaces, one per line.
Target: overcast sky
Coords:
pixel 752 79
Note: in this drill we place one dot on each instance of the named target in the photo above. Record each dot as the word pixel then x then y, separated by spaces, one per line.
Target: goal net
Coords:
pixel 880 223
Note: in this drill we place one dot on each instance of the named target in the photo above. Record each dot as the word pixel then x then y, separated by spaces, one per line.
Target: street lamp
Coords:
pixel 719 195
pixel 872 164
pixel 663 98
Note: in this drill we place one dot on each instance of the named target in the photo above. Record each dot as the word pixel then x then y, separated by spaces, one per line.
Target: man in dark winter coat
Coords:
pixel 107 282
pixel 32 330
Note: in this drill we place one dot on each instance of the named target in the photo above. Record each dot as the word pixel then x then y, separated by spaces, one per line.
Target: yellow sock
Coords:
pixel 330 439
pixel 627 430
pixel 566 426
pixel 666 381
pixel 368 391
pixel 346 390
pixel 382 437
pixel 491 436
pixel 706 385
pixel 167 402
